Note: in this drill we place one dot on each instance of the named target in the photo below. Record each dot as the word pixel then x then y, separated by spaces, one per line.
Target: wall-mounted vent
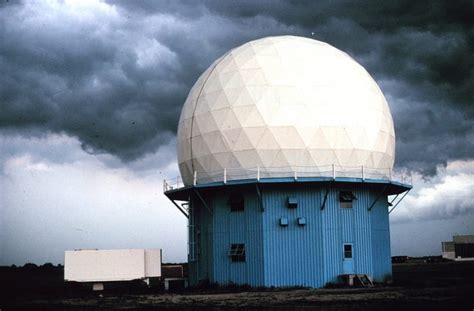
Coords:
pixel 292 202
pixel 301 221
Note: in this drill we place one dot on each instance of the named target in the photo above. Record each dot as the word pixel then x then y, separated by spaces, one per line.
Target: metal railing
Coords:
pixel 330 171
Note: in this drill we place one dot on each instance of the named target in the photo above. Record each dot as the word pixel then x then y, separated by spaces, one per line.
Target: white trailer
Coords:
pixel 99 266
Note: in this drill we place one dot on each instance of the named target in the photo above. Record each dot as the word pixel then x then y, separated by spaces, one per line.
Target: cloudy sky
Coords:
pixel 90 95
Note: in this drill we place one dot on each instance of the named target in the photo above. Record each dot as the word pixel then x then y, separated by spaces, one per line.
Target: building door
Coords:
pixel 348 261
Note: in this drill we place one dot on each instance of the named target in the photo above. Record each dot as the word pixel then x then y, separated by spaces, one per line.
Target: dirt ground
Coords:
pixel 417 286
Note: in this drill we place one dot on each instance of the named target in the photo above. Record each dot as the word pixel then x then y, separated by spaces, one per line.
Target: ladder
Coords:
pixel 364 280
pixel 191 232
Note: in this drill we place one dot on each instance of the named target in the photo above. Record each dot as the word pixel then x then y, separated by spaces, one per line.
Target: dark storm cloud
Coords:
pixel 65 72
pixel 115 75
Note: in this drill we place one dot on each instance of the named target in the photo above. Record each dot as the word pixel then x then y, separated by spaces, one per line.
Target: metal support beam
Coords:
pixel 406 192
pixel 325 198
pixel 202 200
pixel 378 197
pixel 180 208
pixel 259 197
pixel 391 202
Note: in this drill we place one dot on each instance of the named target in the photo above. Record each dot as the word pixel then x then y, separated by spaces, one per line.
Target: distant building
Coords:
pixel 448 250
pixel 460 248
pixel 97 267
pixel 286 147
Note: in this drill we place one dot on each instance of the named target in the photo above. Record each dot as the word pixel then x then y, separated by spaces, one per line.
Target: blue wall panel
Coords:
pixel 293 253
pixel 332 258
pixel 203 237
pixel 238 227
pixel 363 242
pixel 381 241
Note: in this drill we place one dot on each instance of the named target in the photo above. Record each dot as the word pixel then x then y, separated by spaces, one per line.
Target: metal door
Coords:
pixel 348 260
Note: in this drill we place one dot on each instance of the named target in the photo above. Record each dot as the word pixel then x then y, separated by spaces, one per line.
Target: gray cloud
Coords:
pixel 115 75
pixel 447 196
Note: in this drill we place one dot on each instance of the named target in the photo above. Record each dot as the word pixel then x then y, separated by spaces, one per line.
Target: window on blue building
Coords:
pixel 237 252
pixel 347 251
pixel 236 202
pixel 346 198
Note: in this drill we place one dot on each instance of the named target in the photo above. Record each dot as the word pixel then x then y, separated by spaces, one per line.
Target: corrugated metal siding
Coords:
pixel 332 238
pixel 381 255
pixel 464 250
pixel 293 254
pixel 363 242
pixel 309 255
pixel 238 227
pixel 206 244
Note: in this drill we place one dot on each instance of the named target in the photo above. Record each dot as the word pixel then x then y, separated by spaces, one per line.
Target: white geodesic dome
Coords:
pixel 284 107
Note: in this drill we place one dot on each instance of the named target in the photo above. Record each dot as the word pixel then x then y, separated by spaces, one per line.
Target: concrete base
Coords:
pixel 464 259
pixel 448 255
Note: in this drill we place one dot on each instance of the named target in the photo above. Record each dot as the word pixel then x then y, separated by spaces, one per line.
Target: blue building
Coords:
pixel 286 147
pixel 283 232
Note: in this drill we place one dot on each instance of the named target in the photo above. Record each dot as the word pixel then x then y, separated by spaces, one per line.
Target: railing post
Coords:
pixel 225 175
pixel 258 173
pixel 363 175
pixel 390 174
pixel 296 175
pixel 195 178
pixel 333 172
pixel 164 185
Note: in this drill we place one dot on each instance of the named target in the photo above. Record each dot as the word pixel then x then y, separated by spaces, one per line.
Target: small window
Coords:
pixel 236 202
pixel 237 252
pixel 346 198
pixel 347 251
